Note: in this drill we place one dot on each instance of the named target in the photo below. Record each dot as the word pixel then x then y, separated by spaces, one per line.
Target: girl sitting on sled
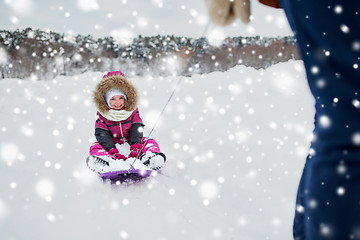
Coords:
pixel 119 126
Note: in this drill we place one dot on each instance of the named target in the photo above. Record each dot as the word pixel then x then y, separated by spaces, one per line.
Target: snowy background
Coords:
pixel 124 19
pixel 235 141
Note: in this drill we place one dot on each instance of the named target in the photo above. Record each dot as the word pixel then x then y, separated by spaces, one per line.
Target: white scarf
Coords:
pixel 117 115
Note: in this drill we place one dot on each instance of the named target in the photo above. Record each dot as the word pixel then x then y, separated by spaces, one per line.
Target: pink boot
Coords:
pixel 151 156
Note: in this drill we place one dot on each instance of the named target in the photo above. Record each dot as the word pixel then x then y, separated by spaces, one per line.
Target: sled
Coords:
pixel 126 176
pixel 124 173
pixel 135 171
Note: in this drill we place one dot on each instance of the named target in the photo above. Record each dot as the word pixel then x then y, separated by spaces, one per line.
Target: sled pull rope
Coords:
pixel 173 92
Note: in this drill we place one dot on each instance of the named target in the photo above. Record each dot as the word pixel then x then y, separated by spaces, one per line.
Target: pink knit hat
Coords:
pixel 114 91
pixel 109 74
pixel 111 93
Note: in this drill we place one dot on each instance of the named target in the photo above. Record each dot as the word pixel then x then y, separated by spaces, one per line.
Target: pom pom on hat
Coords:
pixel 111 93
pixel 113 73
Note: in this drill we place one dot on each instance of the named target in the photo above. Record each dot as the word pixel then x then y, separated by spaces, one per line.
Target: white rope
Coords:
pixel 172 93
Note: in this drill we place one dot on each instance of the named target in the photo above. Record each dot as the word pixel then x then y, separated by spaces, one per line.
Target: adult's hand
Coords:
pixel 224 12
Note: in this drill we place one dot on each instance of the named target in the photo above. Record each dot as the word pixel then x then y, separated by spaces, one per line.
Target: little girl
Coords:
pixel 119 125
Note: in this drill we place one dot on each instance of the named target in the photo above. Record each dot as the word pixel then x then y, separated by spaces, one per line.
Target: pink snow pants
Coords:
pixel 151 145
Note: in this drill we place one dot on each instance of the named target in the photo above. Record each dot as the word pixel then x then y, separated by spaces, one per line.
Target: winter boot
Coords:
pixel 97 164
pixel 153 161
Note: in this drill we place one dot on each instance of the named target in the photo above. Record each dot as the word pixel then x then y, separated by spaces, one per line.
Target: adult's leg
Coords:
pixel 329 42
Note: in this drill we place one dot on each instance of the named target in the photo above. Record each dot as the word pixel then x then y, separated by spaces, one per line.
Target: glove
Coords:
pixel 116 155
pixel 135 150
pixel 224 12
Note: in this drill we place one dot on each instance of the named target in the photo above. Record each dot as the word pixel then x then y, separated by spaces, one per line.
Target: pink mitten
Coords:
pixel 135 150
pixel 116 155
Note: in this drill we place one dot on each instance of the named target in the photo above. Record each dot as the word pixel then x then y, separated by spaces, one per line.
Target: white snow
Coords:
pixel 235 142
pixel 21 7
pixel 45 188
pixel 4 212
pixel 9 152
pixel 3 56
pixel 123 36
pixel 87 5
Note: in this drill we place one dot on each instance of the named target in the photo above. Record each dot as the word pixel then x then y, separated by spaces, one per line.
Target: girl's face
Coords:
pixel 117 102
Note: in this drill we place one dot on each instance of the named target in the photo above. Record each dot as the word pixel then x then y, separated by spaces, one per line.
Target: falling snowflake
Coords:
pixel 324 121
pixel 276 222
pixel 27 130
pixel 124 36
pixel 51 217
pixel 242 221
pixel 124 234
pixel 345 28
pixel 14 20
pixel 341 168
pixel 217 233
pixel 356 103
pixel 13 185
pixel 338 9
pixel 4 211
pixel 87 5
pixel 300 208
pixel 45 189
pixel 9 152
pixel 142 22
pixel 313 203
pixel 208 189
pixel 320 83
pixel 325 230
pixel 21 7
pixel 356 138
pixel 356 46
pixel 125 202
pixel 193 182
pixel 251 111
pixel 56 132
pixel 340 191
pixel 235 88
pixel 172 191
pixel 216 37
pixel 315 70
pixel 249 159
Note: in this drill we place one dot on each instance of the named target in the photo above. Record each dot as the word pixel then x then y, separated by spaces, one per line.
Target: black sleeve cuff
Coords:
pixel 136 133
pixel 104 138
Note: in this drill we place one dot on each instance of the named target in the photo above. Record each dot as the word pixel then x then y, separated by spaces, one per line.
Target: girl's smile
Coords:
pixel 117 102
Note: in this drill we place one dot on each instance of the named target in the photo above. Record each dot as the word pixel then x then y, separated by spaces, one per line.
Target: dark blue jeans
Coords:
pixel 328 36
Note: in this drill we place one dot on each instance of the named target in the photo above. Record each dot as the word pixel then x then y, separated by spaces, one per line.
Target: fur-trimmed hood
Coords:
pixel 115 80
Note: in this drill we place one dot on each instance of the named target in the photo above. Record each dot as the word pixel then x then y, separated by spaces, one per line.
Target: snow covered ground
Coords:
pixel 235 141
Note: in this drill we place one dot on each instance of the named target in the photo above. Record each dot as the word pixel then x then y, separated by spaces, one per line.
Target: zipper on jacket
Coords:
pixel 122 135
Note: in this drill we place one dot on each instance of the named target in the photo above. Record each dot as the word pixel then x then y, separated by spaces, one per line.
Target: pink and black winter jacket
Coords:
pixel 109 132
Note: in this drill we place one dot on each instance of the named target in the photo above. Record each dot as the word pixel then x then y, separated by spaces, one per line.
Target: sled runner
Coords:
pixel 115 169
pixel 125 173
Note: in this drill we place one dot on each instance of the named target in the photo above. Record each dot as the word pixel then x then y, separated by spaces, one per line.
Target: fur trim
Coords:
pixel 115 81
